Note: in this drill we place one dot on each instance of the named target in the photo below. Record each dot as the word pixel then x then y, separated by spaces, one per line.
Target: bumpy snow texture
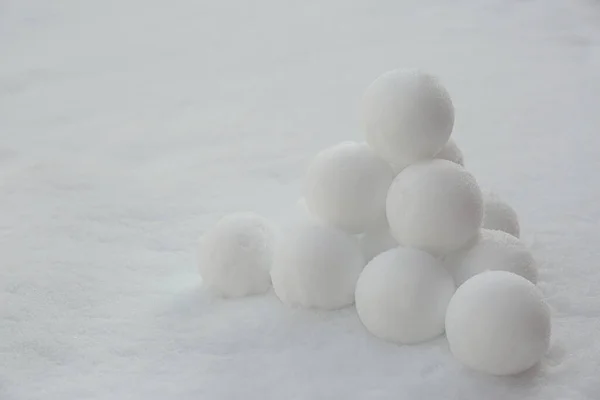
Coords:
pixel 402 296
pixel 451 152
pixel 408 116
pixel 434 206
pixel 316 266
pixel 499 215
pixel 497 322
pixel 346 186
pixel 235 255
pixel 494 251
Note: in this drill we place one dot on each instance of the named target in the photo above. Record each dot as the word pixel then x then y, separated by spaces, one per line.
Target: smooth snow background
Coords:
pixel 129 126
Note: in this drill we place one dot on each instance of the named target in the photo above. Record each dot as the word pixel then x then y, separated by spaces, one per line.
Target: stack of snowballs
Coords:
pixel 400 228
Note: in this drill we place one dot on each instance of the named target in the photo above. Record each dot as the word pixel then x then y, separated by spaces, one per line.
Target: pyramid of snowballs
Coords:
pixel 401 229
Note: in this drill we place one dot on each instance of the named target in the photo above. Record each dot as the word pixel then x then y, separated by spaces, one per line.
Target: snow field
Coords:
pixel 421 234
pixel 129 127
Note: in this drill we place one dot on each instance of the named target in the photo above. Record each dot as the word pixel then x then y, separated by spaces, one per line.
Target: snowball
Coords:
pixel 408 116
pixel 495 250
pixel 402 296
pixel 434 206
pixel 346 186
pixel 316 266
pixel 451 152
pixel 376 240
pixel 234 256
pixel 499 215
pixel 498 323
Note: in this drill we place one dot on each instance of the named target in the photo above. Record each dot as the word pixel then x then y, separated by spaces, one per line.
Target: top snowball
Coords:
pixel 408 116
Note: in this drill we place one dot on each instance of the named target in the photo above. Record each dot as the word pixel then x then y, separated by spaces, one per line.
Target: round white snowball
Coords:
pixel 451 152
pixel 376 240
pixel 316 266
pixel 434 206
pixel 498 323
pixel 346 186
pixel 494 251
pixel 408 116
pixel 402 296
pixel 235 255
pixel 500 215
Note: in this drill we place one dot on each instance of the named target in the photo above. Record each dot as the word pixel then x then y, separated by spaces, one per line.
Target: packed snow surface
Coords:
pixel 407 115
pixel 402 296
pixel 498 214
pixel 316 266
pixel 498 323
pixel 129 127
pixel 493 251
pixel 346 186
pixel 434 206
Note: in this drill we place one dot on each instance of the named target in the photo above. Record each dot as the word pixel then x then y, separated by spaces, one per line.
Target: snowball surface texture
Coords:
pixel 434 206
pixel 346 186
pixel 494 251
pixel 499 215
pixel 316 266
pixel 408 116
pixel 451 152
pixel 402 296
pixel 235 255
pixel 498 323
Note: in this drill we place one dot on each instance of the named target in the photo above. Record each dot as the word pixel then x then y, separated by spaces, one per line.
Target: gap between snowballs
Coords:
pixel 398 227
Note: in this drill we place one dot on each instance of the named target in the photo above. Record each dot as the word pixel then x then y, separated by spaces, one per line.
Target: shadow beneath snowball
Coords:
pixel 229 325
pixel 443 371
pixel 197 301
pixel 523 384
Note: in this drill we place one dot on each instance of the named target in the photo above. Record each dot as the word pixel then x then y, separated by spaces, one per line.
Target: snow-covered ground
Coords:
pixel 127 127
